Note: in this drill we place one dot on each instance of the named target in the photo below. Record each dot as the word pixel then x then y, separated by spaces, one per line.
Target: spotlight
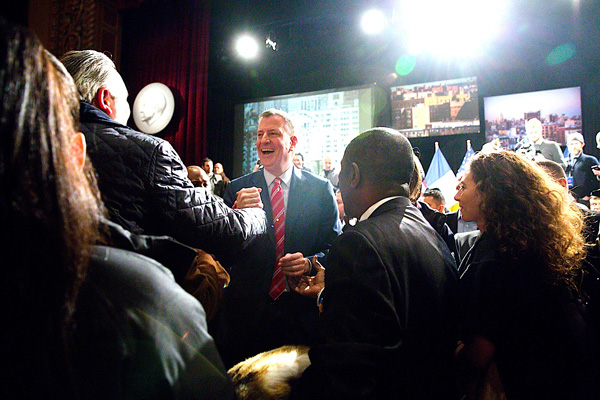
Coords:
pixel 247 47
pixel 373 22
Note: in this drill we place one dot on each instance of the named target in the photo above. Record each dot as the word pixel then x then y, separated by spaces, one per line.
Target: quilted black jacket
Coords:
pixel 145 188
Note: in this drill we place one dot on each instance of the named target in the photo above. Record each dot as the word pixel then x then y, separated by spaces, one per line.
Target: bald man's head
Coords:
pixel 197 175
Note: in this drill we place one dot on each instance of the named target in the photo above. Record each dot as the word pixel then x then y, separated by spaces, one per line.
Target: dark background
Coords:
pixel 322 47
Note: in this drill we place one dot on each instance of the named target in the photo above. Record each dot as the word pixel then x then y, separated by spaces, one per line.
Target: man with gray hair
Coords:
pixel 539 147
pixel 144 183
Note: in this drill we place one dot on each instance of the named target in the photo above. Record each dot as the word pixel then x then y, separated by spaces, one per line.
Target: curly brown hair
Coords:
pixel 528 214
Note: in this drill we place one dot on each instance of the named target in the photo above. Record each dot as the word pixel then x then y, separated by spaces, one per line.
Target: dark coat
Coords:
pixel 389 312
pixel 145 188
pixel 250 322
pixel 139 335
pixel 584 180
pixel 542 347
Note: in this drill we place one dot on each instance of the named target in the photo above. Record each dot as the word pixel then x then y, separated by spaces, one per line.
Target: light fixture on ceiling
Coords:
pixel 373 22
pixel 247 47
pixel 271 43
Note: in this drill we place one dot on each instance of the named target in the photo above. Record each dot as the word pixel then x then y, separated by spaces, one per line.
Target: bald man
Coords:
pixel 198 176
pixel 388 317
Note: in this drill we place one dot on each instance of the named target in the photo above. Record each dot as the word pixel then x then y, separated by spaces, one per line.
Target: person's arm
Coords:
pixel 194 216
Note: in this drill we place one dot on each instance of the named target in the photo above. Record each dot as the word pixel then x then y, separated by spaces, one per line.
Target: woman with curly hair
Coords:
pixel 517 282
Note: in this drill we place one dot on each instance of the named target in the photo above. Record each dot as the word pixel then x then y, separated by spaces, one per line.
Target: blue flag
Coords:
pixel 470 153
pixel 440 175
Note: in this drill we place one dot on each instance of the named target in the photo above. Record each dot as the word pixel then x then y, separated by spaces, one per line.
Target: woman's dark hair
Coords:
pixel 528 214
pixel 50 214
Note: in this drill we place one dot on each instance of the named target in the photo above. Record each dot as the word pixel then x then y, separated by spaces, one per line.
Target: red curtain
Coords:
pixel 167 42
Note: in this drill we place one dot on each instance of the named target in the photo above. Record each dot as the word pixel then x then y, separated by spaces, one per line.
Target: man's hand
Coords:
pixel 248 198
pixel 310 286
pixel 294 265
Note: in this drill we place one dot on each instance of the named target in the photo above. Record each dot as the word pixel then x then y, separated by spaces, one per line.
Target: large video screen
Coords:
pixel 559 110
pixel 325 121
pixel 436 108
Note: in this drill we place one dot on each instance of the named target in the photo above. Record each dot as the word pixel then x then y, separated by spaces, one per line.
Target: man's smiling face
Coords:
pixel 274 144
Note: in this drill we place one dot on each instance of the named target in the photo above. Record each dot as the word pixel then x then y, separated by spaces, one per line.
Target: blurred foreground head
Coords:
pixel 49 214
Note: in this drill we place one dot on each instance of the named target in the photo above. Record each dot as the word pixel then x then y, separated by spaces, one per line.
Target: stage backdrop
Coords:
pixel 167 42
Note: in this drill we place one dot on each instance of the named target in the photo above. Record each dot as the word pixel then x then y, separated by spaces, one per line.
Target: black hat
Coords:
pixel 595 193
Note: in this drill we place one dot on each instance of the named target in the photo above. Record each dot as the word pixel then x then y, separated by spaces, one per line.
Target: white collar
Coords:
pixel 286 177
pixel 374 207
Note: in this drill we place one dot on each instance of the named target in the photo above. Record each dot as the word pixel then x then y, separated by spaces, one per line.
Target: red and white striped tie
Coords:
pixel 278 282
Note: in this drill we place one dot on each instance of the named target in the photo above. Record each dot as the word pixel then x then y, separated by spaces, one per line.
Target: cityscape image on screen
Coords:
pixel 325 122
pixel 436 108
pixel 559 110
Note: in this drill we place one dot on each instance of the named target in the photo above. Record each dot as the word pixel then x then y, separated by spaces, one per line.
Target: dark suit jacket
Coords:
pixel 551 151
pixel 584 180
pixel 311 225
pixel 389 312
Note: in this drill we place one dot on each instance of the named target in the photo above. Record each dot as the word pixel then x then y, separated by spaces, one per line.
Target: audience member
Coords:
pixel 518 306
pixel 215 182
pixel 80 320
pixel 388 317
pixel 298 161
pixel 435 199
pixel 579 168
pixel 259 312
pixel 595 200
pixel 198 176
pixel 143 182
pixel 329 171
pixel 219 170
pixel 491 146
pixel 340 206
pixel 458 224
pixel 538 146
pixel 435 218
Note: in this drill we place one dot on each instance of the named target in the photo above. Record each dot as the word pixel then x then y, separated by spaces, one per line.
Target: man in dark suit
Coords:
pixel 388 305
pixel 254 316
pixel 580 169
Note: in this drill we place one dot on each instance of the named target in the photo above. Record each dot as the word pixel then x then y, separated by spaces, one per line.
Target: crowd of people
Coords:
pixel 129 275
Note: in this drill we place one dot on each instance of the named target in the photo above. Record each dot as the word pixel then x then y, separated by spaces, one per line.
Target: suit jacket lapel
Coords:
pixel 294 201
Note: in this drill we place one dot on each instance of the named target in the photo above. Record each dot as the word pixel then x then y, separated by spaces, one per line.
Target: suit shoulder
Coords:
pixel 313 179
pixel 253 176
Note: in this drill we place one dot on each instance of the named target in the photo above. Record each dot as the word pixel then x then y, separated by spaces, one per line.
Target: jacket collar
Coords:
pixel 90 114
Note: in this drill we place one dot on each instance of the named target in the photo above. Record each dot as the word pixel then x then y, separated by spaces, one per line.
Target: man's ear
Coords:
pixel 105 102
pixel 78 146
pixel 294 140
pixel 354 175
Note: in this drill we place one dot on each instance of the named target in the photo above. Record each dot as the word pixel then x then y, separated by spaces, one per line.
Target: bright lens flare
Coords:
pixel 561 53
pixel 373 22
pixel 247 47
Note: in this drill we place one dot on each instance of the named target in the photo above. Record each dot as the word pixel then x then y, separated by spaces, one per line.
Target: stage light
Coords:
pixel 373 22
pixel 247 47
pixel 457 29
